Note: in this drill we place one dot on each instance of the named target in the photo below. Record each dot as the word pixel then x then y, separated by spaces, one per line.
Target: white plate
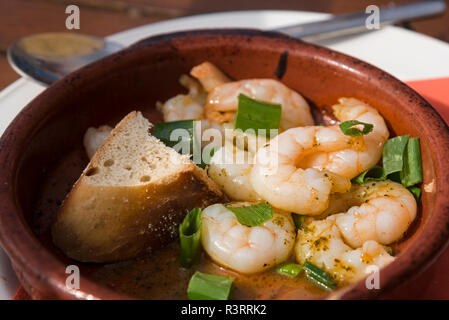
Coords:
pixel 405 54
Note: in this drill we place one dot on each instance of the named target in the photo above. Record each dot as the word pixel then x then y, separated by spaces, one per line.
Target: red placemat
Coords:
pixel 433 283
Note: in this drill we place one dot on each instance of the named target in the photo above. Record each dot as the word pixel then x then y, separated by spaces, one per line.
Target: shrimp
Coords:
pixel 94 138
pixel 209 76
pixel 320 242
pixel 277 178
pixel 184 106
pixel 231 165
pixel 379 210
pixel 230 168
pixel 246 249
pixel 245 140
pixel 350 162
pixel 222 102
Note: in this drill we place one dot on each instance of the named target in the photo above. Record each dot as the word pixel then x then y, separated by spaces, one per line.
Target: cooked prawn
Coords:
pixel 321 243
pixel 348 161
pixel 222 102
pixel 94 138
pixel 230 168
pixel 246 249
pixel 379 210
pixel 185 106
pixel 277 178
pixel 209 76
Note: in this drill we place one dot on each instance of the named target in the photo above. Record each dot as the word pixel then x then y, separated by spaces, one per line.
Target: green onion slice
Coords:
pixel 190 236
pixel 389 250
pixel 412 171
pixel 298 219
pixel 416 191
pixel 395 176
pixel 401 162
pixel 348 128
pixel 375 173
pixel 393 154
pixel 203 286
pixel 289 269
pixel 319 277
pixel 164 130
pixel 252 215
pixel 181 136
pixel 256 115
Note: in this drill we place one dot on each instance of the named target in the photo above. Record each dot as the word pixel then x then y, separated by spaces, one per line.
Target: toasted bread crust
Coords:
pixel 106 224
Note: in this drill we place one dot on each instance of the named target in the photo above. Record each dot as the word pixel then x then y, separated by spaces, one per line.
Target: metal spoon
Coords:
pixel 47 57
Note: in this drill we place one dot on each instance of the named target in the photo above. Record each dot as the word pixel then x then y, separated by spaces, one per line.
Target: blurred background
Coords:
pixel 103 17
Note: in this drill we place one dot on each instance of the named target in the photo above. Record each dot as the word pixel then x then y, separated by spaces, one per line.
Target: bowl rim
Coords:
pixel 26 251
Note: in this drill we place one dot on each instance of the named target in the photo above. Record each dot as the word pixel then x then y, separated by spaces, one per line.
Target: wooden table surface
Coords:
pixel 19 18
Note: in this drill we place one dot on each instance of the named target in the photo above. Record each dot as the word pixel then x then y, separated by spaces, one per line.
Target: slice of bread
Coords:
pixel 131 197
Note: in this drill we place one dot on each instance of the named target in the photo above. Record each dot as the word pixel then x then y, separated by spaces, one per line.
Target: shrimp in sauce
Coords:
pixel 379 210
pixel 277 178
pixel 320 242
pixel 246 249
pixel 349 161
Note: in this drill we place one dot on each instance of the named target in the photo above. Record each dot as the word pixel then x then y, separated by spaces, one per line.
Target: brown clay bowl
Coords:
pixel 41 151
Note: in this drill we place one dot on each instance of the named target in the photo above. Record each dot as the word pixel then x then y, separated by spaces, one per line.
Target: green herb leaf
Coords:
pixel 253 114
pixel 375 173
pixel 393 154
pixel 203 286
pixel 318 276
pixel 412 171
pixel 289 269
pixel 190 236
pixel 348 128
pixel 253 215
pixel 416 191
pixel 181 136
pixel 298 219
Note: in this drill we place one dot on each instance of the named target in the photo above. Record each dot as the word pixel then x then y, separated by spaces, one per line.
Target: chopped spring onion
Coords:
pixel 164 131
pixel 298 219
pixel 375 173
pixel 412 171
pixel 190 236
pixel 181 136
pixel 252 215
pixel 348 128
pixel 289 269
pixel 401 162
pixel 393 154
pixel 389 250
pixel 257 115
pixel 203 286
pixel 416 191
pixel 319 277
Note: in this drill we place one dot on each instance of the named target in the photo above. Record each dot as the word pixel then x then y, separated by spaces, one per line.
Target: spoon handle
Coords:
pixel 351 23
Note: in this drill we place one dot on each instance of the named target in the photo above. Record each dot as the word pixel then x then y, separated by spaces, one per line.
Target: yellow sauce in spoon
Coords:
pixel 60 45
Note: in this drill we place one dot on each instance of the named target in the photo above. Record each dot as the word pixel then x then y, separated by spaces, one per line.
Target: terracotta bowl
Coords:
pixel 41 152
